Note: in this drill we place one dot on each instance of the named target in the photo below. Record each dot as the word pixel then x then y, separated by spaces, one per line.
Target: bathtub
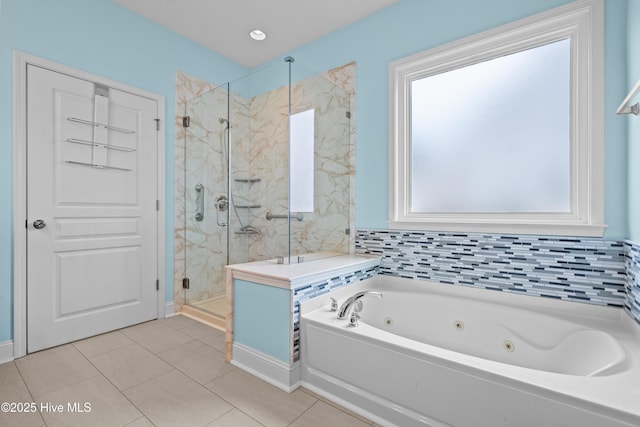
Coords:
pixel 429 354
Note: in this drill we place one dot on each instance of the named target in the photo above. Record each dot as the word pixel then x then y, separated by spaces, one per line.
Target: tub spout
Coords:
pixel 346 306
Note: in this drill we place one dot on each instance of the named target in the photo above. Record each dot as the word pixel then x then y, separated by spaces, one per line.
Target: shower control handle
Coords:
pixel 222 203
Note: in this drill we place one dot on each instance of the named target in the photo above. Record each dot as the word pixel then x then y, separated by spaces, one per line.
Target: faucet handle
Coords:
pixel 334 304
pixel 353 319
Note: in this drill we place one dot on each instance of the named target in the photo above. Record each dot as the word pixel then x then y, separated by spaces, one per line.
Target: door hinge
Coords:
pixel 348 114
pixel 157 124
pixel 186 121
pixel 185 283
pixel 347 231
pixel 157 205
pixel 157 284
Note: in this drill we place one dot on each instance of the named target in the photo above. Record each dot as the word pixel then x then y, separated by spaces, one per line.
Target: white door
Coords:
pixel 91 209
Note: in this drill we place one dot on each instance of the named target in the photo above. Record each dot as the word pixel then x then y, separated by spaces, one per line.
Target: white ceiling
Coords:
pixel 223 25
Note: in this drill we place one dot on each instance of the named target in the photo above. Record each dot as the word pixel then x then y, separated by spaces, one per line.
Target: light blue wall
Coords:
pixel 262 318
pixel 615 130
pixel 102 38
pixel 411 26
pixel 633 75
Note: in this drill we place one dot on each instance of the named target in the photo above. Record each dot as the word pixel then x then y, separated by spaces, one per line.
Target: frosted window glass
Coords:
pixel 494 136
pixel 301 153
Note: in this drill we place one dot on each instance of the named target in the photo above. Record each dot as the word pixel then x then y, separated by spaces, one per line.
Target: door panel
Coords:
pixel 92 178
pixel 77 294
pixel 73 228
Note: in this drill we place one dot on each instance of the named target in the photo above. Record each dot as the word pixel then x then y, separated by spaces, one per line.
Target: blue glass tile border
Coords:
pixel 588 270
pixel 632 303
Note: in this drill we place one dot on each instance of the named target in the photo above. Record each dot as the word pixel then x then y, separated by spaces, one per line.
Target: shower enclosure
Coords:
pixel 268 174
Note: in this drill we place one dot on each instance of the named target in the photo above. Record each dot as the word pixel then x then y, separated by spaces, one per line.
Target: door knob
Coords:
pixel 39 224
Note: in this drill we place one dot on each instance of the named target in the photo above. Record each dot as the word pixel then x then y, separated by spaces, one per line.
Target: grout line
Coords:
pixel 139 418
pixel 305 411
pixel 115 386
pixel 68 385
pixel 336 406
pixel 28 391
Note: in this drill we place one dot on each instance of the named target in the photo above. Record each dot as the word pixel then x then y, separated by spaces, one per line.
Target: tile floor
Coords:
pixel 170 372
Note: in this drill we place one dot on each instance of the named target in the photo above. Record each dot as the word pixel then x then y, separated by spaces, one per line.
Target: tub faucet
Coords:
pixel 346 306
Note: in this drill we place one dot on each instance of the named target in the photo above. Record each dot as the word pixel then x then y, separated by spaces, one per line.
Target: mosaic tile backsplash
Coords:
pixel 632 303
pixel 576 269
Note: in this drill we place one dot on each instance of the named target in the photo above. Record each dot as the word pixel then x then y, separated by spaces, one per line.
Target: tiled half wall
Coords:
pixel 596 271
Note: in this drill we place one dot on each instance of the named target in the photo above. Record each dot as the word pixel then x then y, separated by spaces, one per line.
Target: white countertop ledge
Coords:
pixel 316 267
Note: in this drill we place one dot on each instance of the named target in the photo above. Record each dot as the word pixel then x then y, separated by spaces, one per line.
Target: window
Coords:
pixel 502 131
pixel 528 94
pixel 301 153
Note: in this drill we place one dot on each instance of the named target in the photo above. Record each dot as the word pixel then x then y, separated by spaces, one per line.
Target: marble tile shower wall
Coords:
pixel 576 269
pixel 330 95
pixel 632 303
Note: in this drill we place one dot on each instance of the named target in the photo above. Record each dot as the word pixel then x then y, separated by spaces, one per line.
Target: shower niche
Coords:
pixel 264 171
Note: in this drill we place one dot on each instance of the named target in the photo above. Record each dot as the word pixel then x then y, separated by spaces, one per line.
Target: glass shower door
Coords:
pixel 207 201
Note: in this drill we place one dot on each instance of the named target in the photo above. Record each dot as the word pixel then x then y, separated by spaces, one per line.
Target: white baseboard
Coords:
pixel 6 351
pixel 169 309
pixel 273 371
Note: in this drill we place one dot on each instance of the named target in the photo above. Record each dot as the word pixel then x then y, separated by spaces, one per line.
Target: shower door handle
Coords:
pixel 199 202
pixel 222 204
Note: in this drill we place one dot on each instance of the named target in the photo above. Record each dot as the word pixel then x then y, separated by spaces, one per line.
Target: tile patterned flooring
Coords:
pixel 169 372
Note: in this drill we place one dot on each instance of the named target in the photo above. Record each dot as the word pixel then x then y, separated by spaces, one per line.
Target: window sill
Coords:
pixel 553 229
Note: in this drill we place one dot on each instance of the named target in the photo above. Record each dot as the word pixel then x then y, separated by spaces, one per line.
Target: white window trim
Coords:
pixel 583 22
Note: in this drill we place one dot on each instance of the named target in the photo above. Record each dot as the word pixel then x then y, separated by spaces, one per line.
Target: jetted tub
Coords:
pixel 429 354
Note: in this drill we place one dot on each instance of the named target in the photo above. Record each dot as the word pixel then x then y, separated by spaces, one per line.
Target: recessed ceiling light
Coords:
pixel 257 34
